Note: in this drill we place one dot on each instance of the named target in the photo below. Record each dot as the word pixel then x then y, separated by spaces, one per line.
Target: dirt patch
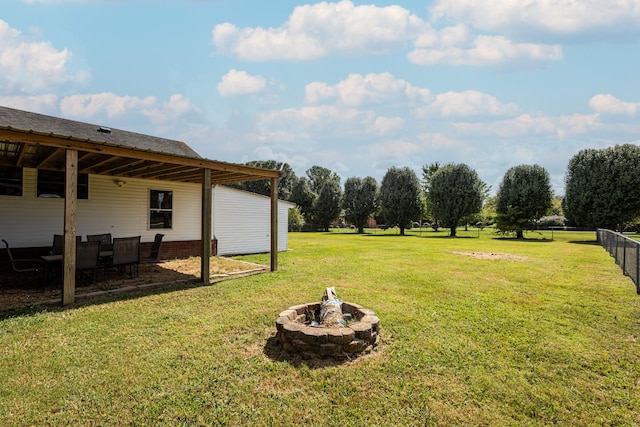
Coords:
pixel 492 256
pixel 18 290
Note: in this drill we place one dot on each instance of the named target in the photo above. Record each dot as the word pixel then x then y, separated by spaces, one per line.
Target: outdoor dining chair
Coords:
pixel 25 265
pixel 155 250
pixel 58 244
pixel 126 253
pixel 88 258
pixel 104 238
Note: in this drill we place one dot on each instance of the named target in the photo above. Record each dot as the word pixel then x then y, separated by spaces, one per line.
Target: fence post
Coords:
pixel 624 256
pixel 638 269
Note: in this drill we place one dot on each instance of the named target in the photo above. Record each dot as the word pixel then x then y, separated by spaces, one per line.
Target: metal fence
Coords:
pixel 625 250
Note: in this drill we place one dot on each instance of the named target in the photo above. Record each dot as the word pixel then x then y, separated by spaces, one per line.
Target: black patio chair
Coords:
pixel 26 265
pixel 88 258
pixel 104 238
pixel 155 250
pixel 126 253
pixel 58 243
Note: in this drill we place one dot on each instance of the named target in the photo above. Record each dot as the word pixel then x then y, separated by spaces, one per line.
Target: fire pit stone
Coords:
pixel 298 330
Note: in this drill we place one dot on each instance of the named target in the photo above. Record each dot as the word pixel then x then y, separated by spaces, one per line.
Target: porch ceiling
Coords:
pixel 40 150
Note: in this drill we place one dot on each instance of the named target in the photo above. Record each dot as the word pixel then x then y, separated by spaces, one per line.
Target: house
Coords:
pixel 62 176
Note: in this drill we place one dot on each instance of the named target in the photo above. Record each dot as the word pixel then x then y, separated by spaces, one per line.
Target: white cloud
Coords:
pixel 92 105
pixel 467 103
pixel 44 104
pixel 177 107
pixel 240 83
pixel 525 124
pixel 314 31
pixel 562 17
pixel 322 119
pixel 436 141
pixel 612 105
pixel 30 67
pixel 357 90
pixel 386 125
pixel 497 51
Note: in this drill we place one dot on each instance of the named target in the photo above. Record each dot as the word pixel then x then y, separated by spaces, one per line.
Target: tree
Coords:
pixel 296 219
pixel 456 191
pixel 304 197
pixel 319 175
pixel 326 208
pixel 360 201
pixel 285 182
pixel 400 197
pixel 524 195
pixel 602 187
pixel 427 173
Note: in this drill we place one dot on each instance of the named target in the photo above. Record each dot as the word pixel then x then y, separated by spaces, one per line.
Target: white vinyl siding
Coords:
pixel 242 222
pixel 122 211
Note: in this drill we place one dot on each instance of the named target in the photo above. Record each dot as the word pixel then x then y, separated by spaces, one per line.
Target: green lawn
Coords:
pixel 546 336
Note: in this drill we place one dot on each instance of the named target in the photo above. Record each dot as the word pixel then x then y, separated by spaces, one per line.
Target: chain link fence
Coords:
pixel 625 250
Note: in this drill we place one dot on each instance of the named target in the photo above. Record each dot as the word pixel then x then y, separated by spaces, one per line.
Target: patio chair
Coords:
pixel 126 253
pixel 155 250
pixel 105 239
pixel 58 244
pixel 88 258
pixel 26 265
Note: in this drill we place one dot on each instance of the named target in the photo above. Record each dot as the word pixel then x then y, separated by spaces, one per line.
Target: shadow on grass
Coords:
pixel 274 351
pixel 34 301
pixel 525 240
pixel 585 242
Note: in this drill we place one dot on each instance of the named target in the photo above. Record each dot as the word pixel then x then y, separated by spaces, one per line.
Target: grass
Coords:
pixel 552 339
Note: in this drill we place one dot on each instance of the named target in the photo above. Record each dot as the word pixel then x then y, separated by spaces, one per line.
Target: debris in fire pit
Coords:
pixel 330 328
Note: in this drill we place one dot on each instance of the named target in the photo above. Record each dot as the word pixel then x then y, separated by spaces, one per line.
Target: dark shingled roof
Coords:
pixel 39 123
pixel 38 141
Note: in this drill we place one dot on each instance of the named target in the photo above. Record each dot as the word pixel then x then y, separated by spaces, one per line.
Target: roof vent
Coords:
pixel 103 129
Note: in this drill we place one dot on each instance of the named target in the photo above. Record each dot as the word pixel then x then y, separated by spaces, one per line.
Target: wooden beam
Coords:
pixel 70 218
pixel 207 199
pixel 274 224
pixel 48 156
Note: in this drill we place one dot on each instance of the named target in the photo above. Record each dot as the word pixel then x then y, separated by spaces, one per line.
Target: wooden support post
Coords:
pixel 70 219
pixel 207 199
pixel 274 224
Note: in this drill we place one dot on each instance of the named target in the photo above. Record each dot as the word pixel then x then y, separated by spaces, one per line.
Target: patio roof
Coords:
pixel 44 142
pixel 39 141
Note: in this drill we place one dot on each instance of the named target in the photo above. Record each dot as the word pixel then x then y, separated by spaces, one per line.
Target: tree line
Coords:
pixel 602 189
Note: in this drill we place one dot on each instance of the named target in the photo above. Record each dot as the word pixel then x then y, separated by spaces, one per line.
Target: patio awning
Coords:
pixel 38 141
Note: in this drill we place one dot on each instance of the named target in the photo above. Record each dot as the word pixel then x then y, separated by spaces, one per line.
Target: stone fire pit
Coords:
pixel 300 331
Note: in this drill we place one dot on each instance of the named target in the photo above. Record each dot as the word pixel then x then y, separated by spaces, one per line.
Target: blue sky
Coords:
pixel 356 87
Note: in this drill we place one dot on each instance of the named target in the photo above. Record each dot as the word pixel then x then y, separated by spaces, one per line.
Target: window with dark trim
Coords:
pixel 10 181
pixel 160 209
pixel 51 184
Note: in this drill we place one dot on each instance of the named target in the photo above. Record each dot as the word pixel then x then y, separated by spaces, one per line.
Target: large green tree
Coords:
pixel 303 196
pixel 318 196
pixel 360 200
pixel 285 182
pixel 456 191
pixel 602 187
pixel 400 197
pixel 326 208
pixel 524 195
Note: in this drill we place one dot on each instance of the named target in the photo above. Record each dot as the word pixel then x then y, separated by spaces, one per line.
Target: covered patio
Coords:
pixel 30 140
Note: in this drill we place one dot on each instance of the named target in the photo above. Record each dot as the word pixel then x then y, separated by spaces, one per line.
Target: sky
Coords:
pixel 355 87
